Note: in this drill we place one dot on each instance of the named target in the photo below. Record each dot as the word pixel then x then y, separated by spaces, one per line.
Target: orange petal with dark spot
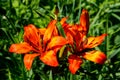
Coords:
pixel 28 60
pixel 49 58
pixel 95 56
pixel 74 63
pixel 20 48
pixel 32 35
pixel 94 41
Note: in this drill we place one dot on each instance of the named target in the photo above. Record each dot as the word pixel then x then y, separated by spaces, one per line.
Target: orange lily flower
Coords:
pixel 41 42
pixel 76 34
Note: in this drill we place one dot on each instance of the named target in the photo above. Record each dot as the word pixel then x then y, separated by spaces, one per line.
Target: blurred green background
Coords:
pixel 104 18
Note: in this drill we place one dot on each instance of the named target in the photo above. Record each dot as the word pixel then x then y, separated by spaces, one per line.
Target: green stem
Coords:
pixel 9 73
pixel 71 76
pixel 73 7
pixel 50 75
pixel 22 67
pixel 107 40
pixel 79 11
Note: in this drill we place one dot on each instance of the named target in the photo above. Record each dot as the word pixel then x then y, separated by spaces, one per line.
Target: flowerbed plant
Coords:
pixel 72 43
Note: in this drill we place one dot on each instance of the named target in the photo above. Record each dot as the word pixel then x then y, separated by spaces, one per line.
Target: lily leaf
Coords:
pixel 115 52
pixel 61 51
pixel 60 29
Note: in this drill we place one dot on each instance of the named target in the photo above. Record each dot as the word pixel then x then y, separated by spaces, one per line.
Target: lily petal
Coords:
pixel 49 58
pixel 28 60
pixel 42 31
pixel 84 20
pixel 63 20
pixel 57 41
pixel 55 31
pixel 69 38
pixel 95 56
pixel 49 32
pixel 74 63
pixel 32 36
pixel 78 40
pixel 20 48
pixel 94 41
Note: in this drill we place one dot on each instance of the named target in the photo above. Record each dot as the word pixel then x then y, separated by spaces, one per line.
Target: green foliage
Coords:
pixel 104 18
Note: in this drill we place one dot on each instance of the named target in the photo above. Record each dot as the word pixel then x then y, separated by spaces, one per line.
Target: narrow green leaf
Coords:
pixel 29 74
pixel 45 13
pixel 96 17
pixel 114 5
pixel 50 75
pixel 100 77
pixel 116 16
pixel 60 29
pixel 71 76
pixel 41 13
pixel 115 52
pixel 61 51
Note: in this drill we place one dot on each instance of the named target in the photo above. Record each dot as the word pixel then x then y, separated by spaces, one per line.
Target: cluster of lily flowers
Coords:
pixel 46 44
